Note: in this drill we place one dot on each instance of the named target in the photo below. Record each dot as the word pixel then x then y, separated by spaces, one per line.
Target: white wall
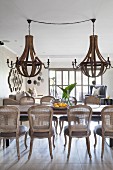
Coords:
pixel 108 80
pixel 43 88
pixel 4 71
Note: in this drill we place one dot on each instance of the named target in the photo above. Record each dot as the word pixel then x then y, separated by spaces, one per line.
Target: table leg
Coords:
pixel 111 142
pixel 7 142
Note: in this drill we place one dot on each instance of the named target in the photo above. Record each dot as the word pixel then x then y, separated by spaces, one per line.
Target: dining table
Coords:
pixel 96 109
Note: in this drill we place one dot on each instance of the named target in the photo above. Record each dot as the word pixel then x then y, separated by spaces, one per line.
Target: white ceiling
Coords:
pixel 65 40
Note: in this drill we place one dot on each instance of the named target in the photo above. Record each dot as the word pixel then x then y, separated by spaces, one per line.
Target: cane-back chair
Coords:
pixel 9 125
pixel 26 100
pixel 47 100
pixel 79 118
pixel 107 125
pixel 64 118
pixel 93 100
pixel 40 121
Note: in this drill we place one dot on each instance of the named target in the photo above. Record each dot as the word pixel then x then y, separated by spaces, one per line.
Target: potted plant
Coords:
pixel 67 91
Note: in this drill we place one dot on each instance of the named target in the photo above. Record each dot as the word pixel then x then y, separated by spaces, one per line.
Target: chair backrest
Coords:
pixel 73 100
pixel 79 117
pixel 107 120
pixel 45 100
pixel 9 119
pixel 40 118
pixel 27 100
pixel 92 100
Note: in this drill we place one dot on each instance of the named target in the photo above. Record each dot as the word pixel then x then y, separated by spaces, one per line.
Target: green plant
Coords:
pixel 67 91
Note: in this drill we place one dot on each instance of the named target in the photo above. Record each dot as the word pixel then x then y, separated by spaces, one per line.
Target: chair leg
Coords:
pixel 102 152
pixel 88 146
pixel 65 140
pixel 4 143
pixel 69 147
pixel 50 147
pixel 61 124
pixel 31 147
pixel 25 140
pixel 95 136
pixel 17 145
pixel 54 141
pixel 56 125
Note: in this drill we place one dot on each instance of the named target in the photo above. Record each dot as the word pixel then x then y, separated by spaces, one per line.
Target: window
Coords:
pixel 63 77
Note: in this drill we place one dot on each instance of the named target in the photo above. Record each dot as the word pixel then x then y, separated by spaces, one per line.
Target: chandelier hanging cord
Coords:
pixel 29 22
pixel 93 21
pixel 62 23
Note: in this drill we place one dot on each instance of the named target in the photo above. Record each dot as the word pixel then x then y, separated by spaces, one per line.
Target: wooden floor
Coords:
pixel 40 158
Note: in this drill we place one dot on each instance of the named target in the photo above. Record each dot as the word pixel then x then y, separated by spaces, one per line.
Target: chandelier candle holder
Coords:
pixel 28 65
pixel 74 63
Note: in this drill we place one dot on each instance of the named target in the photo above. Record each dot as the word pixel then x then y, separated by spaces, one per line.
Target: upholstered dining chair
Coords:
pixel 79 117
pixel 64 118
pixel 93 100
pixel 40 121
pixel 25 100
pixel 47 100
pixel 9 125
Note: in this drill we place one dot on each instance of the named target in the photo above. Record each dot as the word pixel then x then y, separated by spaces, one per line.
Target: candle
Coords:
pixel 75 62
pixel 108 59
pixel 8 61
pixel 48 62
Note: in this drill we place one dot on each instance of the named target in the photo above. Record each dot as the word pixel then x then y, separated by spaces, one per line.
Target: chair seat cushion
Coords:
pixel 63 118
pixel 55 118
pixel 96 118
pixel 22 130
pixel 78 134
pixel 42 134
pixel 98 131
pixel 24 117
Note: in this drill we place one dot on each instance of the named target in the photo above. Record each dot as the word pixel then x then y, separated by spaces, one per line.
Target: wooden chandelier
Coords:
pixel 93 65
pixel 28 65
